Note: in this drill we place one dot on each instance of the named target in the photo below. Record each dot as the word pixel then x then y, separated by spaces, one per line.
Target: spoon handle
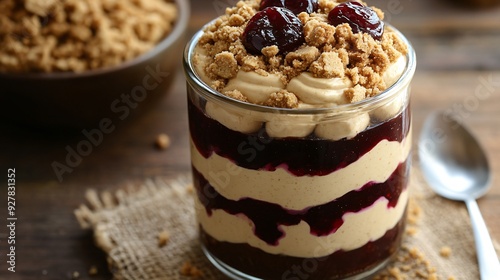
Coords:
pixel 489 265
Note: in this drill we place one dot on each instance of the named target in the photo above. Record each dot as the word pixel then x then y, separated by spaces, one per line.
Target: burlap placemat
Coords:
pixel 148 231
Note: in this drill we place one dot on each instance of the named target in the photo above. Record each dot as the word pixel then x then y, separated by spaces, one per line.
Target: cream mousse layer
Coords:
pixel 300 192
pixel 357 230
pixel 312 93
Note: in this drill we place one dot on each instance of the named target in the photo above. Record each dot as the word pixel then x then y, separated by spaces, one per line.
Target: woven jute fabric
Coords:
pixel 127 224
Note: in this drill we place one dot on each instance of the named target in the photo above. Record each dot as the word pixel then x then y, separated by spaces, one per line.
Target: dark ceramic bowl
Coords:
pixel 83 100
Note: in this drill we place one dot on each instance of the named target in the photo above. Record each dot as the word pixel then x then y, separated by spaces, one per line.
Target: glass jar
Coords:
pixel 316 193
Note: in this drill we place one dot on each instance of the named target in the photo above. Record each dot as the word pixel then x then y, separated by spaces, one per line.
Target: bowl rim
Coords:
pixel 180 26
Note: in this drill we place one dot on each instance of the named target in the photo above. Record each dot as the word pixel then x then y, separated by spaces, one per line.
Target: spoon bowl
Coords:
pixel 452 160
pixel 456 167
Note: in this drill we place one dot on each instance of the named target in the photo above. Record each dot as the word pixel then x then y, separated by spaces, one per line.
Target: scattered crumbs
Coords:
pixel 405 267
pixel 93 270
pixel 190 189
pixel 162 141
pixel 445 251
pixel 395 272
pixel 413 217
pixel 415 253
pixel 414 212
pixel 411 230
pixel 163 238
pixel 410 264
pixel 189 270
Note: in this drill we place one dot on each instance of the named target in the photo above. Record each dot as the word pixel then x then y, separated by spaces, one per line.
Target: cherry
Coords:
pixel 273 26
pixel 296 6
pixel 360 18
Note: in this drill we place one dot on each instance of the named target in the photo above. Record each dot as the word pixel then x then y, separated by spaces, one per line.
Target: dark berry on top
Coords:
pixel 359 17
pixel 273 26
pixel 296 6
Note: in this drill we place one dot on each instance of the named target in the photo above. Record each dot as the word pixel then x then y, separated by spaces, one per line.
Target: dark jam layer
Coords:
pixel 338 265
pixel 300 156
pixel 322 219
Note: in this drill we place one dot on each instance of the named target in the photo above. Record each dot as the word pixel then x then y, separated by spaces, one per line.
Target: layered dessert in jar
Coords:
pixel 300 130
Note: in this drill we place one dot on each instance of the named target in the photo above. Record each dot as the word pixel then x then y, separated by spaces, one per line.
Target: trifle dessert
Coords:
pixel 300 130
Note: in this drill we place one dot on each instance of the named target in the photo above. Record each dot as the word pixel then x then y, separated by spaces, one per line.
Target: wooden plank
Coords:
pixel 458 51
pixel 418 16
pixel 430 16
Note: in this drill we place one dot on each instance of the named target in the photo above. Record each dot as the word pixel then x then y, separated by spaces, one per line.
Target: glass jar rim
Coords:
pixel 211 94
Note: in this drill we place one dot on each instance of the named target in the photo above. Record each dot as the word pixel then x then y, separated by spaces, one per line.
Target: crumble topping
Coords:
pixel 224 65
pixel 328 65
pixel 236 94
pixel 302 59
pixel 355 94
pixel 190 270
pixel 329 52
pixel 282 99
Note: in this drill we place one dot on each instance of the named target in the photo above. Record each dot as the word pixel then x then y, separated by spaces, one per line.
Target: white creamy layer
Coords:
pixel 232 119
pixel 357 230
pixel 336 130
pixel 318 92
pixel 255 87
pixel 297 193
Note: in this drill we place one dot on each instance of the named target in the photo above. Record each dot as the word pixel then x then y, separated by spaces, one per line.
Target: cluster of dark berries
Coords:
pixel 277 23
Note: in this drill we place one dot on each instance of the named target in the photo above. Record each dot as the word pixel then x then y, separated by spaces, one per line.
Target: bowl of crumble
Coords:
pixel 75 63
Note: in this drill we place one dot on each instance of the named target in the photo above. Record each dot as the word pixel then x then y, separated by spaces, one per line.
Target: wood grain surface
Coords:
pixel 458 52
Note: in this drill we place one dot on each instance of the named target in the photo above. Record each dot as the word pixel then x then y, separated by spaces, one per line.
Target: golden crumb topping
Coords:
pixel 328 52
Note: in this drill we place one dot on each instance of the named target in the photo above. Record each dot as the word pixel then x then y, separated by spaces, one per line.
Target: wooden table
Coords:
pixel 458 51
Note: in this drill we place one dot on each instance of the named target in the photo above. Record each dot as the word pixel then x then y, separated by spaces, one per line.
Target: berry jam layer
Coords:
pixel 338 265
pixel 258 151
pixel 275 225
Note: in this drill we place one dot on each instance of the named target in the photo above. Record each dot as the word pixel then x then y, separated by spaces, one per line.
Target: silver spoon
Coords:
pixel 456 167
